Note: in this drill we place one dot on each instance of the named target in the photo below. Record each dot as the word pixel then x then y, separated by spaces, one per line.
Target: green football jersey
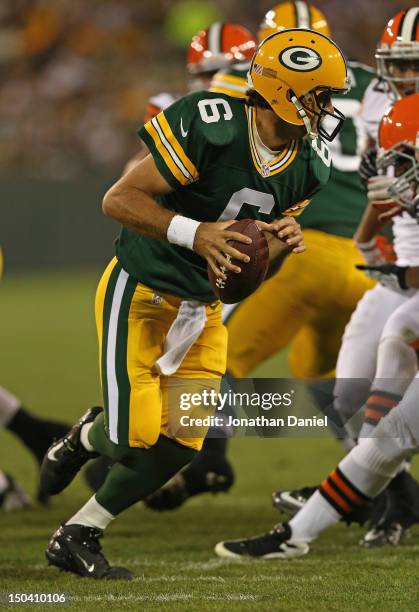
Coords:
pixel 204 146
pixel 339 207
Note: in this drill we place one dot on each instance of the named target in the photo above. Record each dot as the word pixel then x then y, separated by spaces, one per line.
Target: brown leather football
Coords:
pixel 236 287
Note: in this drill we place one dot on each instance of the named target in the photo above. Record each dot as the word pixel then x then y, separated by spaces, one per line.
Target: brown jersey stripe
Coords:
pixel 344 488
pixel 379 399
pixel 336 500
pixel 377 408
pixel 373 416
pixel 351 485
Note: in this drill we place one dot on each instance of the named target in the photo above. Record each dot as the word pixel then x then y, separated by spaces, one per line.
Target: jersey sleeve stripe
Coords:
pixel 176 147
pixel 221 85
pixel 229 90
pixel 164 154
pixel 230 78
pixel 296 209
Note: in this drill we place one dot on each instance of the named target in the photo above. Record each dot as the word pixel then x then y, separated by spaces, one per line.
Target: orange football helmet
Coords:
pixel 297 14
pixel 398 138
pixel 397 53
pixel 219 46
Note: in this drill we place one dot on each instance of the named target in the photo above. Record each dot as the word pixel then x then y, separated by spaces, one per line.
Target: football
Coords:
pixel 236 287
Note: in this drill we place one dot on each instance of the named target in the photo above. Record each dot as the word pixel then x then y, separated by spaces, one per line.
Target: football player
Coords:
pixel 219 46
pixel 307 318
pixel 398 56
pixel 375 461
pixel 212 159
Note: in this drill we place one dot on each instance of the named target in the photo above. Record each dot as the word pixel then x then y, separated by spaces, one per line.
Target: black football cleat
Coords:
pixel 383 534
pixel 209 472
pixel 76 549
pixel 291 502
pixel 399 513
pixel 272 545
pixel 65 457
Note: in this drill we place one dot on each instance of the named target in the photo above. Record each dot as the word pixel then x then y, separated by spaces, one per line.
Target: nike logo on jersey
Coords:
pixel 53 450
pixel 90 568
pixel 182 131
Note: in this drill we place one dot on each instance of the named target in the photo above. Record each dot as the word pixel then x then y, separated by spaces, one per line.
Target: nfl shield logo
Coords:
pixel 265 170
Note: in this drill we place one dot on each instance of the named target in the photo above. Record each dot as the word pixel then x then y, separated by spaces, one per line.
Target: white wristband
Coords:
pixel 182 230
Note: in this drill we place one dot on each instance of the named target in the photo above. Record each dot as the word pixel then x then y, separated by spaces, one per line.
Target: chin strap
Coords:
pixel 304 117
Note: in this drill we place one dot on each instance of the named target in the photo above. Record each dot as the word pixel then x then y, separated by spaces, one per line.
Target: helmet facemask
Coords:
pixel 393 63
pixel 402 161
pixel 316 102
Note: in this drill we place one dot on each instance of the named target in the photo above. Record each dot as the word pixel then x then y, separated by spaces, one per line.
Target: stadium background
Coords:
pixel 74 79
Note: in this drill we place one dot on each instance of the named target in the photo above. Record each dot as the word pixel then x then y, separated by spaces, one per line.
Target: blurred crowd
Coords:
pixel 74 78
pixel 75 74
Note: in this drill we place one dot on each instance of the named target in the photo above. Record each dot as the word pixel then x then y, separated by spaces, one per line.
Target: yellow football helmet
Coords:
pixel 298 14
pixel 296 71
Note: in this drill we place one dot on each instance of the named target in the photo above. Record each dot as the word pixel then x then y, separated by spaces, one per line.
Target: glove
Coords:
pixel 377 251
pixel 391 276
pixel 380 198
pixel 368 165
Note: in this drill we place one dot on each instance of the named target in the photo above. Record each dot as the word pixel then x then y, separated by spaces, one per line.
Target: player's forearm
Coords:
pixel 137 210
pixel 278 252
pixel 369 226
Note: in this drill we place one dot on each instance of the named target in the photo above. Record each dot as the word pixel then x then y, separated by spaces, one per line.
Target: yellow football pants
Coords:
pixel 305 305
pixel 132 322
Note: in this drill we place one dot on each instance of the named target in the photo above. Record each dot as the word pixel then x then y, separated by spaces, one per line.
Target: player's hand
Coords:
pixel 368 165
pixel 291 233
pixel 379 194
pixel 211 243
pixel 284 236
pixel 391 276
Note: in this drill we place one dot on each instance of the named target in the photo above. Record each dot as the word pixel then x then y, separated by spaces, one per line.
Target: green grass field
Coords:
pixel 48 357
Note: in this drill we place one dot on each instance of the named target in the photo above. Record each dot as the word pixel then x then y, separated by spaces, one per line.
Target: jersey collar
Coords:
pixel 280 162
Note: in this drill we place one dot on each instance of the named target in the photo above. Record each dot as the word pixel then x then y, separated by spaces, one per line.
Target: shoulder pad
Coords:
pixel 216 116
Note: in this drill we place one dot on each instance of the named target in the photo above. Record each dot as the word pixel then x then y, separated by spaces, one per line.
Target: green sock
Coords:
pixel 138 471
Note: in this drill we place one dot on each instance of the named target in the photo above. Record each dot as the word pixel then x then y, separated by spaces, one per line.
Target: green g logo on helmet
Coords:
pixel 302 59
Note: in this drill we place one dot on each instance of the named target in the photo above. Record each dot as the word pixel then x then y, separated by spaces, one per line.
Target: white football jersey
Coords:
pixel 374 104
pixel 405 227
